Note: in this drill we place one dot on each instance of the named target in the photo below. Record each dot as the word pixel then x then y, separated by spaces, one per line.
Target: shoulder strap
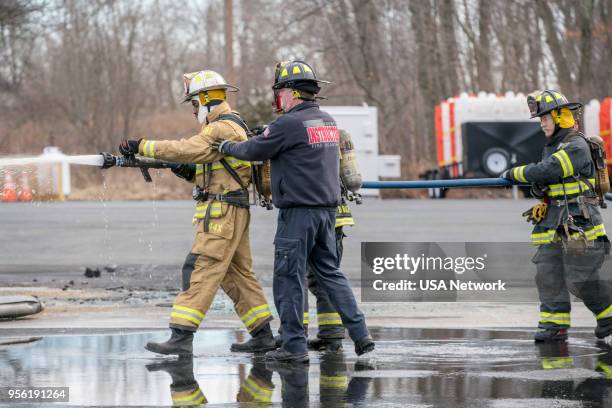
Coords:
pixel 237 120
pixel 232 173
pixel 570 137
pixel 566 140
pixel 234 118
pixel 573 135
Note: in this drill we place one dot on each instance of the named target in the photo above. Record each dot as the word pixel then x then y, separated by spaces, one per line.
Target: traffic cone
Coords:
pixel 25 192
pixel 9 191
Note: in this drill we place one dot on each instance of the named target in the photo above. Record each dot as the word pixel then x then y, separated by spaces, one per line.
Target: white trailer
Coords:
pixel 362 124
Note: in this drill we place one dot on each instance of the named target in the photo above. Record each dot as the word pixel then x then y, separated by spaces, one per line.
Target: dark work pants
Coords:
pixel 328 319
pixel 306 236
pixel 559 274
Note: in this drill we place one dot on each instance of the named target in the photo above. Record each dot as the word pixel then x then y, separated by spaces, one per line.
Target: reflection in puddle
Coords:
pixel 445 368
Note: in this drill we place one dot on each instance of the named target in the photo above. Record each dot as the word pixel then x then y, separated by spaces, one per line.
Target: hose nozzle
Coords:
pixel 109 160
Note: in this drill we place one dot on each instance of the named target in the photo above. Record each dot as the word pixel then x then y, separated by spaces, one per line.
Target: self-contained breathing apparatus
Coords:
pixel 350 176
pixel 602 178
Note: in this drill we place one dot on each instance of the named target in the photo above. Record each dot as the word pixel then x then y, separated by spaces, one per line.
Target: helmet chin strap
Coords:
pixel 204 110
pixel 298 95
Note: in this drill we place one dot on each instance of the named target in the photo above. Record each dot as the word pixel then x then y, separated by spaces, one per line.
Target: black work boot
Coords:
pixel 180 343
pixel 261 341
pixel 364 345
pixel 278 341
pixel 550 335
pixel 319 344
pixel 282 356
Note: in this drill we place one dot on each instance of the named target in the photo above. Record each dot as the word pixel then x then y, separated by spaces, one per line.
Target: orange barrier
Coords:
pixel 9 190
pixel 25 191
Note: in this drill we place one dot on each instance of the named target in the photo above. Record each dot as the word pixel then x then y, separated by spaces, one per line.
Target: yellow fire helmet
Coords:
pixel 205 86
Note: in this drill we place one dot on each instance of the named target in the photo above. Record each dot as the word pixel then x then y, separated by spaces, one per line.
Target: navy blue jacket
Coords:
pixel 302 146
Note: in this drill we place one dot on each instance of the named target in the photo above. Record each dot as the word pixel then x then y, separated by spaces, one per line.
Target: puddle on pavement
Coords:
pixel 412 367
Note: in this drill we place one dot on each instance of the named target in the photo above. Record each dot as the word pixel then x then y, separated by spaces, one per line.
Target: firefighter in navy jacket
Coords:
pixel 302 146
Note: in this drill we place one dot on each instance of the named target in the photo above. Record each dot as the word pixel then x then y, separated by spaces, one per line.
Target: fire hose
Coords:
pixel 145 163
pixel 452 183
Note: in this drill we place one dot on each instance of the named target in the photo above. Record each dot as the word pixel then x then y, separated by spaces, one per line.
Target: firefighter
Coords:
pixel 302 145
pixel 569 230
pixel 221 254
pixel 330 330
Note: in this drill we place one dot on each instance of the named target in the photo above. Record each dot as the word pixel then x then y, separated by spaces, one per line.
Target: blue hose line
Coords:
pixel 453 183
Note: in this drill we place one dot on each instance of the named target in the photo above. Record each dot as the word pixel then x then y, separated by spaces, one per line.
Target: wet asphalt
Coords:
pixel 149 240
pixel 410 368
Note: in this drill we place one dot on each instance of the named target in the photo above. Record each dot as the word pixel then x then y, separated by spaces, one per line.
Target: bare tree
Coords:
pixel 17 36
pixel 101 70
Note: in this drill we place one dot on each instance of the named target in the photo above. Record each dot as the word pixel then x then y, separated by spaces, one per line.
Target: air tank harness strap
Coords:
pixel 207 181
pixel 238 198
pixel 232 117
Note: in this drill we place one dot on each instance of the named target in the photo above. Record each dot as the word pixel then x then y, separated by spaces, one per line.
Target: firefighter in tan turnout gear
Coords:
pixel 221 253
pixel 570 180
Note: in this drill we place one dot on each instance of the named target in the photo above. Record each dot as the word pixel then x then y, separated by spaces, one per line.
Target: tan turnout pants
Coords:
pixel 224 260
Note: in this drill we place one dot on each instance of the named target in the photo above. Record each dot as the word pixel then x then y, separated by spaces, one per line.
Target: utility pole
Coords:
pixel 229 50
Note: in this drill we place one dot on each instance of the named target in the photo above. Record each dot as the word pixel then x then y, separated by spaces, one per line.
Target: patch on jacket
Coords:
pixel 320 132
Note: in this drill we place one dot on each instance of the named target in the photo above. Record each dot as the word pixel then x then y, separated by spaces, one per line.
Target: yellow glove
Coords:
pixel 536 213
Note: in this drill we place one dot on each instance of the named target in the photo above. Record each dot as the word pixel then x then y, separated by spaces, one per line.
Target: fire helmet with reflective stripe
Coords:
pixel 202 81
pixel 289 74
pixel 541 103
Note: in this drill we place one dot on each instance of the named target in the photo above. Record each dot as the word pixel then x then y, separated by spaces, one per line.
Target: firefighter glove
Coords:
pixel 219 144
pixel 129 147
pixel 258 130
pixel 184 171
pixel 536 213
pixel 538 191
